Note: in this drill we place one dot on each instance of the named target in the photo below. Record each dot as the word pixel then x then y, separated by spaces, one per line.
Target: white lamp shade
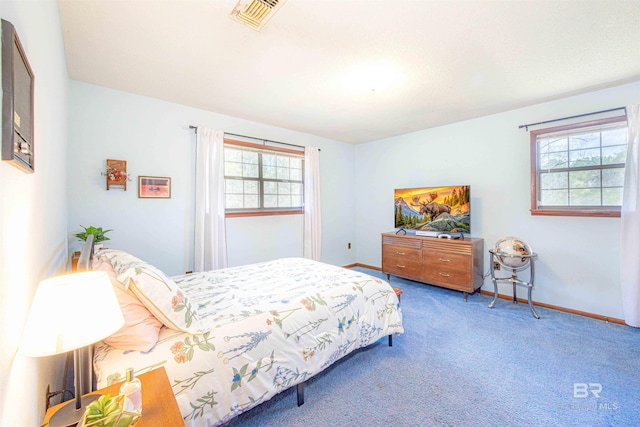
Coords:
pixel 70 312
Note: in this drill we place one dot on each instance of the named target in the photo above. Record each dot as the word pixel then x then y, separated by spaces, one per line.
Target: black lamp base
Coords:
pixel 68 415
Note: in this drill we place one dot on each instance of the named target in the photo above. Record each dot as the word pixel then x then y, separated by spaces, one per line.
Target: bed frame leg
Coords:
pixel 300 393
pixel 390 340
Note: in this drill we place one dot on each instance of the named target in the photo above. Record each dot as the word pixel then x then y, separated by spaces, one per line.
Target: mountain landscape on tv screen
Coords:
pixel 444 209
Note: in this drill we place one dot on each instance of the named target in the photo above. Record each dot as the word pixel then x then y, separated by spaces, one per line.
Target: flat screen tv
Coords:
pixel 444 209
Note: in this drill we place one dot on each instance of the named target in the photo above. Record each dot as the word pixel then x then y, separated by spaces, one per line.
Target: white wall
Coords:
pixel 154 138
pixel 577 266
pixel 33 214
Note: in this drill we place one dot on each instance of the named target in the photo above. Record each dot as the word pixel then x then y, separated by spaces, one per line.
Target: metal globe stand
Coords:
pixel 528 262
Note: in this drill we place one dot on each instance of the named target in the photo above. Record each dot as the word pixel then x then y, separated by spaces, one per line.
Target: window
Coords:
pixel 578 169
pixel 262 180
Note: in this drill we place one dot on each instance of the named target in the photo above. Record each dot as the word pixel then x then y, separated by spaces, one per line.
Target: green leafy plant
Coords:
pixel 106 412
pixel 98 234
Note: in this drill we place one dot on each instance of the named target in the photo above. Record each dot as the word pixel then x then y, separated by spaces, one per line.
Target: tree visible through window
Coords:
pixel 262 180
pixel 578 169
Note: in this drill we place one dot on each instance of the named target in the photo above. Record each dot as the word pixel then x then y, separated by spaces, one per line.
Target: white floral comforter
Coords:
pixel 271 326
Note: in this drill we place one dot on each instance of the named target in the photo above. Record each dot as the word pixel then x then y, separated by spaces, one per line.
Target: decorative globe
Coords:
pixel 510 250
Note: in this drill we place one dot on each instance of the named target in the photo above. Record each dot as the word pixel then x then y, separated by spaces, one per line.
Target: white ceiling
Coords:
pixel 452 60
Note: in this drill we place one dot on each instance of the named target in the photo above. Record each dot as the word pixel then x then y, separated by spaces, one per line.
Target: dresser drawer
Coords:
pixel 402 257
pixel 401 266
pixel 402 253
pixel 445 260
pixel 449 277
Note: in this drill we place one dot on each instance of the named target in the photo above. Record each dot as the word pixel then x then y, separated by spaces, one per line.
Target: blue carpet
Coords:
pixel 463 364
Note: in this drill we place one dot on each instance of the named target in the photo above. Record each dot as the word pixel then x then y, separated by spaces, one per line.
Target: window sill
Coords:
pixel 263 213
pixel 605 213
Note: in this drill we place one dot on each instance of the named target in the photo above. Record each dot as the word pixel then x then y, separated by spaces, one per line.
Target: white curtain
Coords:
pixel 210 235
pixel 630 224
pixel 312 217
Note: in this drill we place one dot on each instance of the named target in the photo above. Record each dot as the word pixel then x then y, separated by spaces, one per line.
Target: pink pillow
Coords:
pixel 141 328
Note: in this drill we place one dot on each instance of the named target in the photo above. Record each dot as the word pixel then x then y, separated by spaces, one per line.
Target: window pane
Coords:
pixel 250 157
pixel 283 161
pixel 584 179
pixel 613 177
pixel 284 188
pixel 296 188
pixel 232 155
pixel 270 187
pixel 585 140
pixel 295 162
pixel 251 201
pixel 233 186
pixel 296 201
pixel 614 154
pixel 232 169
pixel 233 201
pixel 590 157
pixel 554 144
pixel 269 172
pixel 251 187
pixel 614 136
pixel 269 159
pixel 554 197
pixel 283 173
pixel 250 171
pixel 584 197
pixel 554 180
pixel 612 196
pixel 284 201
pixel 295 175
pixel 554 160
pixel 270 201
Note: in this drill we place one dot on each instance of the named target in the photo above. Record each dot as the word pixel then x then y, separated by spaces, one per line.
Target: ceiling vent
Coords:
pixel 255 13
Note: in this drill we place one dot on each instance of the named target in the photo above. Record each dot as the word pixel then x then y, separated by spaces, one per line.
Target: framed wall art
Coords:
pixel 17 101
pixel 154 187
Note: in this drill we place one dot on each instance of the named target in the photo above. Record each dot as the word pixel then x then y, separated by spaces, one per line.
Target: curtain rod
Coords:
pixel 253 137
pixel 526 127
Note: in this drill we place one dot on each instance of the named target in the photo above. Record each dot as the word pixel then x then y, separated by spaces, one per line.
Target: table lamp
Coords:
pixel 68 313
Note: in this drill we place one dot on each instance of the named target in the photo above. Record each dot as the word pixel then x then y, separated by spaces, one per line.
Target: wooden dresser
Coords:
pixel 455 264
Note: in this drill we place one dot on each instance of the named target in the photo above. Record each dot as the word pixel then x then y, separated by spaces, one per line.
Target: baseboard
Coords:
pixel 558 308
pixel 357 264
pixel 524 301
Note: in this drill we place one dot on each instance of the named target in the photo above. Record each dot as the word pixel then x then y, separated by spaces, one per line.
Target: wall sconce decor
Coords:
pixel 17 101
pixel 116 174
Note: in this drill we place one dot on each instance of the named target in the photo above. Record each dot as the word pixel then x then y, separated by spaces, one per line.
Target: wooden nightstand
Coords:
pixel 159 406
pixel 398 292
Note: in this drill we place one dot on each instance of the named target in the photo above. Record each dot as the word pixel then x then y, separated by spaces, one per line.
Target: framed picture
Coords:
pixel 154 187
pixel 17 101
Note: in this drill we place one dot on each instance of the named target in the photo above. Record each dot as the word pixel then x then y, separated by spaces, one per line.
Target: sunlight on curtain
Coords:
pixel 210 235
pixel 312 216
pixel 630 224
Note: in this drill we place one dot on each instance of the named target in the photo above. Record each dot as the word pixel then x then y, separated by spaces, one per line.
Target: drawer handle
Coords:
pixel 400 253
pixel 400 266
pixel 444 260
pixel 444 274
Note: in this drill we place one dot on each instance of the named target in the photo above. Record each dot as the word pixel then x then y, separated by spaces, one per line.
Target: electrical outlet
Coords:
pixel 496 265
pixel 349 245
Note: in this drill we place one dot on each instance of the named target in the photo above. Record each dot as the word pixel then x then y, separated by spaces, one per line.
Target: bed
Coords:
pixel 233 338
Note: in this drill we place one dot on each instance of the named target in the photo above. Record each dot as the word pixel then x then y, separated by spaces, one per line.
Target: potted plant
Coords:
pixel 98 235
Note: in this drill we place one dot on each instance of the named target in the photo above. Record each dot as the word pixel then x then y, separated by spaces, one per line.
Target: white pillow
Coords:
pixel 158 292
